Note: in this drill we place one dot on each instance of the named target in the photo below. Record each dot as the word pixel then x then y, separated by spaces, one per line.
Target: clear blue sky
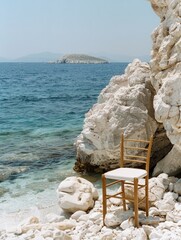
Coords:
pixel 110 28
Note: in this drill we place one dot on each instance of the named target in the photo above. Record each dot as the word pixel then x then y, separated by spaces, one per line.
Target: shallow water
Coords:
pixel 42 108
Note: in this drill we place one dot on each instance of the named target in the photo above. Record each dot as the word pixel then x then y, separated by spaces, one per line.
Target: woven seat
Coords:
pixel 135 152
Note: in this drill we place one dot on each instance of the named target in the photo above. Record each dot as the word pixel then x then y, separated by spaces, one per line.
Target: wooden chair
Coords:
pixel 129 175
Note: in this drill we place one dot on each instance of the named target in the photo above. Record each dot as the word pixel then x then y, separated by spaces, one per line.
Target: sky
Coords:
pixel 116 29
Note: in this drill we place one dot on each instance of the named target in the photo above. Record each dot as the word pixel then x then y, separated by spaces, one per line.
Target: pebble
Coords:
pixel 83 225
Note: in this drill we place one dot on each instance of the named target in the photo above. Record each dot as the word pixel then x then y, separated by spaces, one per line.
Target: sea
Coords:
pixel 42 111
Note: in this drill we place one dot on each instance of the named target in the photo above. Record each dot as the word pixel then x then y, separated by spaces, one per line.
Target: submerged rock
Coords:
pixel 3 191
pixel 7 172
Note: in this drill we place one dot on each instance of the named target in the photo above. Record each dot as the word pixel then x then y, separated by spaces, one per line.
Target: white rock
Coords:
pixel 167 203
pixel 148 229
pixel 106 233
pixel 83 217
pixel 174 215
pixel 52 217
pixel 153 211
pixel 177 187
pixel 94 229
pixel 66 224
pixel 117 217
pixel 75 194
pixel 47 233
pixel 178 207
pixel 29 221
pixel 155 235
pixel 77 214
pixel 30 234
pixel 26 228
pixel 127 224
pixel 170 163
pixel 132 234
pixel 119 109
pixel 171 187
pixel 107 236
pixel 95 216
pixel 166 75
pixel 39 237
pixel 170 196
pixel 60 235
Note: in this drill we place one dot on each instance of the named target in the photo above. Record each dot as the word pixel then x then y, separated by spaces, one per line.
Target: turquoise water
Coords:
pixel 42 108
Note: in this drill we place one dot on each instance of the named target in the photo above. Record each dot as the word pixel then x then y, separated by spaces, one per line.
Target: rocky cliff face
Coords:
pixel 145 100
pixel 166 67
pixel 166 78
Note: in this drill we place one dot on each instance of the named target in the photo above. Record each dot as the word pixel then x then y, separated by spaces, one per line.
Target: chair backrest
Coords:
pixel 135 152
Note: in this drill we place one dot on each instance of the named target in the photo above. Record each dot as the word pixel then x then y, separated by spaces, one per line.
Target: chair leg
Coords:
pixel 147 196
pixel 123 195
pixel 136 202
pixel 104 201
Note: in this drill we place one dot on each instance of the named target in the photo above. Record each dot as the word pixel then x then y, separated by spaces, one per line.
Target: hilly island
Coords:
pixel 81 58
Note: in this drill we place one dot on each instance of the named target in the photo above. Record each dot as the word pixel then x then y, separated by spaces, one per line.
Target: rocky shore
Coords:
pixel 83 221
pixel 144 101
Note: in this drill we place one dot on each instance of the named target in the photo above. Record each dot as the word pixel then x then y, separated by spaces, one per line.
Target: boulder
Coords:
pixel 132 234
pixel 115 218
pixel 177 187
pixel 76 215
pixel 75 194
pixel 167 204
pixel 170 164
pixel 174 215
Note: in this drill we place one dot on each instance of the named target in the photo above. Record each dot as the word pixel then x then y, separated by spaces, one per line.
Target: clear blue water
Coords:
pixel 42 108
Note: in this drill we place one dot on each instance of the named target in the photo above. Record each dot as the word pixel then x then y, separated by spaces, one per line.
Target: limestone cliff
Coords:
pixel 125 105
pixel 166 78
pixel 145 100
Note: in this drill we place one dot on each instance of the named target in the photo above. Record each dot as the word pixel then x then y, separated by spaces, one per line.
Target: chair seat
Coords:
pixel 127 174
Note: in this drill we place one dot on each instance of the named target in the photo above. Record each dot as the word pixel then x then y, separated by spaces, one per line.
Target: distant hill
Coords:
pixel 80 58
pixel 39 57
pixel 75 58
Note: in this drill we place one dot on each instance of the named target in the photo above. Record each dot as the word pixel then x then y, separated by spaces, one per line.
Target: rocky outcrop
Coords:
pixel 125 105
pixel 166 78
pixel 130 105
pixel 81 58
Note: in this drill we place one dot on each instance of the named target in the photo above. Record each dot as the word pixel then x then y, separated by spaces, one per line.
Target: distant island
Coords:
pixel 80 58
